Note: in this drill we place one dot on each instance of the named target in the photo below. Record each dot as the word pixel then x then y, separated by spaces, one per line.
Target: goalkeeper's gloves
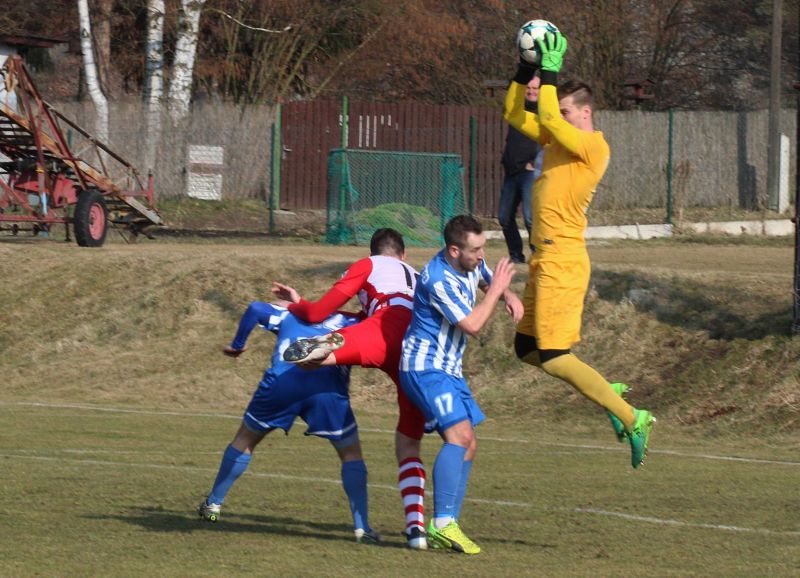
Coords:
pixel 525 71
pixel 552 48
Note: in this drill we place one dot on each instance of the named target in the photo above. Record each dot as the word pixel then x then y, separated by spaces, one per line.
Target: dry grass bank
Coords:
pixel 701 331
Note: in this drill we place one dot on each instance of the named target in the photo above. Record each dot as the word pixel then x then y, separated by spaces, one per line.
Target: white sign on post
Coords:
pixel 204 180
pixel 783 182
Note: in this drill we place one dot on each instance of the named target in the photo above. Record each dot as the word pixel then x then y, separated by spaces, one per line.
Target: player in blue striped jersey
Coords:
pixel 445 313
pixel 285 392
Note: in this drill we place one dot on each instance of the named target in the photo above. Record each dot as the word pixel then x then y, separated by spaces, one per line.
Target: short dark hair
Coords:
pixel 457 229
pixel 580 92
pixel 387 242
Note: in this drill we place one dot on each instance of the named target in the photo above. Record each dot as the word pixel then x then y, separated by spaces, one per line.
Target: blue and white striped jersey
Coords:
pixel 443 297
pixel 288 329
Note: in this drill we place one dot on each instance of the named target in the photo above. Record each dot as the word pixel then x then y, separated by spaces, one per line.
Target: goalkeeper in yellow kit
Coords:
pixel 575 158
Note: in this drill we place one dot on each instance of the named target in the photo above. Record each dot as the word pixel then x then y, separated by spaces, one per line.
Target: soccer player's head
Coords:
pixel 576 102
pixel 464 242
pixel 387 242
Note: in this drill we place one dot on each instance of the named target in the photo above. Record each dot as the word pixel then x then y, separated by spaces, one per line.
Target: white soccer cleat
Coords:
pixel 416 539
pixel 368 536
pixel 313 348
pixel 209 512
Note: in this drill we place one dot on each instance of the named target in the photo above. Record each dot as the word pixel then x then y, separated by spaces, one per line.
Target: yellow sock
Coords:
pixel 591 384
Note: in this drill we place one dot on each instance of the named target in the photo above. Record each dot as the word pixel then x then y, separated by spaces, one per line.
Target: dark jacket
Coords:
pixel 519 149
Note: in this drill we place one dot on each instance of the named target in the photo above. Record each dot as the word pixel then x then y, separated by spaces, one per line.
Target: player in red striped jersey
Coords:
pixel 384 284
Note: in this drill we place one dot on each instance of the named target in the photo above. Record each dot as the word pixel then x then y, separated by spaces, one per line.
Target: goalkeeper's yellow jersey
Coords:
pixel 574 162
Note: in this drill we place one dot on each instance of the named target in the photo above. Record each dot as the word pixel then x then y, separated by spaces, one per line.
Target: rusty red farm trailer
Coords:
pixel 46 178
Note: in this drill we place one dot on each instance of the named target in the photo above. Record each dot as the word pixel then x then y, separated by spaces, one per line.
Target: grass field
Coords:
pixel 116 407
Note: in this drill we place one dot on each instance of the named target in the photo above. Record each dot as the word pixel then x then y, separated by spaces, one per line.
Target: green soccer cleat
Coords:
pixel 639 436
pixel 209 512
pixel 313 348
pixel 620 389
pixel 451 537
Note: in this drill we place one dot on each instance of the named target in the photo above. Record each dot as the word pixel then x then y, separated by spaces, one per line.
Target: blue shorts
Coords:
pixel 442 397
pixel 323 404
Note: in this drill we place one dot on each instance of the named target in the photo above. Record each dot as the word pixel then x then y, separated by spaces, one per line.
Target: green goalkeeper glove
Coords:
pixel 552 47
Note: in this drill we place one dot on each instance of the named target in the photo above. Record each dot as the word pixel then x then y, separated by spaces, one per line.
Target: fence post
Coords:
pixel 796 286
pixel 473 132
pixel 345 121
pixel 271 202
pixel 276 146
pixel 669 166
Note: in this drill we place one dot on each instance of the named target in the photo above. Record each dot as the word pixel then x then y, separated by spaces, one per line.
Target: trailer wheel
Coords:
pixel 90 219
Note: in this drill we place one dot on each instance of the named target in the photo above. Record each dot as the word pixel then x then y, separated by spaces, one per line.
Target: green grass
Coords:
pixel 113 493
pixel 700 331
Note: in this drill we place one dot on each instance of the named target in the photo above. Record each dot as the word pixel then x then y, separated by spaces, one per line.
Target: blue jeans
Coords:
pixel 516 189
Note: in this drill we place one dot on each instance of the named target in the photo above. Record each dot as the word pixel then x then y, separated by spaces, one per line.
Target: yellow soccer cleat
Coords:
pixel 451 537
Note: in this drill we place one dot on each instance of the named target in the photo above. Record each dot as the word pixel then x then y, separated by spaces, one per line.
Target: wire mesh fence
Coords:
pixel 414 193
pixel 718 159
pixel 242 132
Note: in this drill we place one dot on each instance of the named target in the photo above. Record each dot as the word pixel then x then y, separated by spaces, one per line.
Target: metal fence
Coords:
pixel 244 134
pixel 719 159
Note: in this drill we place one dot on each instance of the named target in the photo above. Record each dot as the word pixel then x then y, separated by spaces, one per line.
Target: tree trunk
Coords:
pixel 92 83
pixel 180 88
pixel 153 80
pixel 102 35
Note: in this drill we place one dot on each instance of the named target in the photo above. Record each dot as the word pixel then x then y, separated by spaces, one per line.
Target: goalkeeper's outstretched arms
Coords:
pixel 553 47
pixel 514 107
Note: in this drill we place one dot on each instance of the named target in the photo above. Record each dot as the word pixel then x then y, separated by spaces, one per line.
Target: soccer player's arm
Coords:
pixel 268 315
pixel 447 298
pixel 341 292
pixel 271 315
pixel 514 112
pixel 514 306
pixel 560 130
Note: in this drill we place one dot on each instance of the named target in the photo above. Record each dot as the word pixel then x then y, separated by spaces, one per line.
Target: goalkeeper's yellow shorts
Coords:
pixel 553 299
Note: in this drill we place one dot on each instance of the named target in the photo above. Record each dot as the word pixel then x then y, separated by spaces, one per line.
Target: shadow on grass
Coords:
pixel 719 310
pixel 161 520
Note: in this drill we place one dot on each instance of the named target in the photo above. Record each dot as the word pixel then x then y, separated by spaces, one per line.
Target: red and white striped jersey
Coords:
pixel 379 281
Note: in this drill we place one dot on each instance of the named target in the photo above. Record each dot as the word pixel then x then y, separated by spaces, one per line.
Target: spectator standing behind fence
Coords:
pixel 522 162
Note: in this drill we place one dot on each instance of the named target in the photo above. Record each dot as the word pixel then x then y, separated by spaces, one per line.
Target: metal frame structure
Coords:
pixel 50 179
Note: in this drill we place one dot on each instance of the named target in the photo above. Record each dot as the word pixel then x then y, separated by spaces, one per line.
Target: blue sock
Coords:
pixel 354 480
pixel 233 465
pixel 466 468
pixel 447 479
pixel 257 312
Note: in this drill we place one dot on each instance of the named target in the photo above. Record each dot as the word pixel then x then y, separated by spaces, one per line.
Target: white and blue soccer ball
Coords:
pixel 527 36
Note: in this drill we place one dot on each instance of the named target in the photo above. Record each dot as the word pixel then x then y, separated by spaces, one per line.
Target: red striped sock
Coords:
pixel 411 478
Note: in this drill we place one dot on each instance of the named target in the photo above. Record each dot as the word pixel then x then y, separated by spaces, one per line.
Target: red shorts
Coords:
pixel 377 342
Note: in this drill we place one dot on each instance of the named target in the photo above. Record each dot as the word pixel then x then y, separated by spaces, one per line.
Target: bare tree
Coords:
pixel 92 82
pixel 153 79
pixel 180 88
pixel 102 36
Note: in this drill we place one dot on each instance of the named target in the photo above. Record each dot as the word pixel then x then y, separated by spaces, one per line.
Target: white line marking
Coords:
pixel 577 510
pixel 385 431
